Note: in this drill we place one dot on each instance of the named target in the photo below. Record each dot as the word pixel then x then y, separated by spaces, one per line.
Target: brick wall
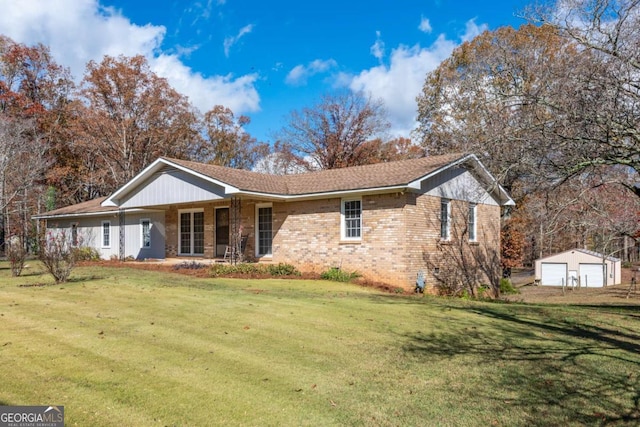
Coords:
pixel 309 237
pixel 398 229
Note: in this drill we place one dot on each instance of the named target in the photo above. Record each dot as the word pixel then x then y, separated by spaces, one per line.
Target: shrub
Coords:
pixel 86 253
pixel 282 269
pixel 17 255
pixel 339 275
pixel 189 265
pixel 249 269
pixel 58 255
pixel 242 268
pixel 506 287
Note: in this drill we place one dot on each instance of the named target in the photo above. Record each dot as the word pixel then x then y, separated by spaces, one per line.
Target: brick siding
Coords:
pixel 397 230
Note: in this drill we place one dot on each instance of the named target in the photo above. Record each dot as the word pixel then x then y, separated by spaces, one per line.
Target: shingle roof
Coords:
pixel 91 206
pixel 241 179
pixel 378 175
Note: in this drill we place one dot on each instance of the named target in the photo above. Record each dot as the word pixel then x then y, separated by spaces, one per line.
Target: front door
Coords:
pixel 222 230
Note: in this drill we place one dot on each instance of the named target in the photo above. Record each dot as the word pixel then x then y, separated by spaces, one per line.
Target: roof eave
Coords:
pixel 75 215
pixel 322 195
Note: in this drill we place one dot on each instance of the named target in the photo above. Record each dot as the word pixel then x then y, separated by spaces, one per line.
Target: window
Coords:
pixel 106 234
pixel 74 234
pixel 191 232
pixel 264 220
pixel 145 233
pixel 351 223
pixel 472 222
pixel 445 219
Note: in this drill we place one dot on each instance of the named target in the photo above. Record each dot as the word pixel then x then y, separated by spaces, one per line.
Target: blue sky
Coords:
pixel 265 58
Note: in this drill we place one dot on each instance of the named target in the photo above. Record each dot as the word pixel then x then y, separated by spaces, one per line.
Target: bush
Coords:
pixel 283 269
pixel 506 287
pixel 242 268
pixel 17 255
pixel 339 275
pixel 58 255
pixel 190 265
pixel 251 269
pixel 86 253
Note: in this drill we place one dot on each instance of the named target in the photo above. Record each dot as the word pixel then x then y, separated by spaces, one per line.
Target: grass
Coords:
pixel 120 346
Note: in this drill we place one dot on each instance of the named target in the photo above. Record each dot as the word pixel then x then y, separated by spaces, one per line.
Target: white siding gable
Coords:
pixel 457 184
pixel 172 186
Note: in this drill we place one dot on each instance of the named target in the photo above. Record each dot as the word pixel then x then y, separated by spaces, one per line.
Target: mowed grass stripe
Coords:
pixel 130 347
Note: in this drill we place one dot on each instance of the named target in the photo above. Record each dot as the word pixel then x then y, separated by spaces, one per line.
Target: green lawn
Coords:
pixel 127 347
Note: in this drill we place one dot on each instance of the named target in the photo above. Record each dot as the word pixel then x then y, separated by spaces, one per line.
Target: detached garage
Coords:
pixel 578 266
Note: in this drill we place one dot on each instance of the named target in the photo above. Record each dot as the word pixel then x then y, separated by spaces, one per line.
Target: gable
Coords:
pixel 171 186
pixel 457 183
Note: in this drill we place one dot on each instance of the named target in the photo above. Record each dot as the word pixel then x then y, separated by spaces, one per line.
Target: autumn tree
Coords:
pixel 331 134
pixel 501 96
pixel 34 92
pixel 127 117
pixel 605 111
pixel 227 143
pixel 378 150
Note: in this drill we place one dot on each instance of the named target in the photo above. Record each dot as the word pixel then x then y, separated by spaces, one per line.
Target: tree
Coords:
pixel 609 125
pixel 330 134
pixel 31 83
pixel 378 150
pixel 227 143
pixel 502 96
pixel 34 92
pixel 127 118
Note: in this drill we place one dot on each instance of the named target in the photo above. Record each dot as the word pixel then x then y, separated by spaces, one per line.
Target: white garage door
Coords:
pixel 592 275
pixel 553 274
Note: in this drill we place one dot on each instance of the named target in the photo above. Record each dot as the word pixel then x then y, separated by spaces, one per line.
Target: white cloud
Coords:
pixel 472 30
pixel 425 25
pixel 377 50
pixel 230 41
pixel 299 74
pixel 399 82
pixel 78 31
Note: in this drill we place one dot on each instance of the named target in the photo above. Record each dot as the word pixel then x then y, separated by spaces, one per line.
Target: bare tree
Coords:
pixel 330 134
pixel 23 163
pixel 606 101
pixel 504 96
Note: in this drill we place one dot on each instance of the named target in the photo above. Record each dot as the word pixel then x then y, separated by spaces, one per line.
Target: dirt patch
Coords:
pixel 610 295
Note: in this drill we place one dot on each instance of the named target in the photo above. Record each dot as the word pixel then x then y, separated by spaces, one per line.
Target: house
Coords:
pixel 379 220
pixel 578 266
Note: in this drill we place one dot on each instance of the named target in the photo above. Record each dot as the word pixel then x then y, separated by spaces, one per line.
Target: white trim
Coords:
pixel 102 245
pixel 91 214
pixel 142 220
pixel 257 228
pixel 343 223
